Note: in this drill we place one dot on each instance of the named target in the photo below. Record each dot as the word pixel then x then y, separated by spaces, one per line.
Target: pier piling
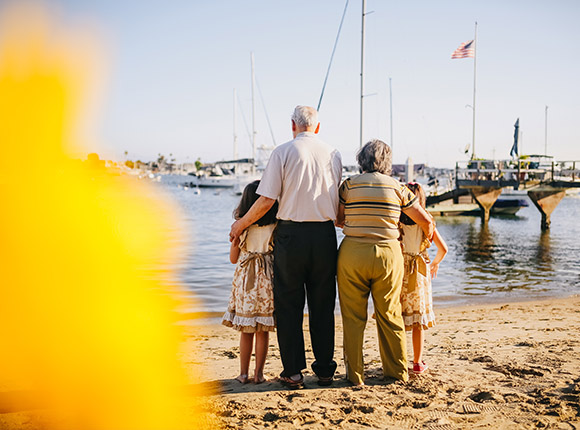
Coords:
pixel 545 181
pixel 485 197
pixel 546 199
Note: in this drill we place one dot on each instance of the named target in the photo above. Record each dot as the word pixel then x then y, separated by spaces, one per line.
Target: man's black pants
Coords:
pixel 305 267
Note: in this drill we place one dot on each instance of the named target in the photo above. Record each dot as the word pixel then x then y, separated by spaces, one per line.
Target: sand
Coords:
pixel 500 366
pixel 495 366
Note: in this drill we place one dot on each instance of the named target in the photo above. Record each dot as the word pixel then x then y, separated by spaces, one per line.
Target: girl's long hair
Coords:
pixel 249 197
pixel 418 191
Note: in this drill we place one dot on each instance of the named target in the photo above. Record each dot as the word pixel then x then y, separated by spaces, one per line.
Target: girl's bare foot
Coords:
pixel 243 379
pixel 259 379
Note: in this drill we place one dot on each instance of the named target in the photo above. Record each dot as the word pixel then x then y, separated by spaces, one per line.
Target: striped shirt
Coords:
pixel 372 206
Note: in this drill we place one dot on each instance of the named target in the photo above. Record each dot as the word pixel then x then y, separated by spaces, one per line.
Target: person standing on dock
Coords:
pixel 303 175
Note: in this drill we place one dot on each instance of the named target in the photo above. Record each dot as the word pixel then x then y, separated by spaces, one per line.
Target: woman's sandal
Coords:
pixel 242 379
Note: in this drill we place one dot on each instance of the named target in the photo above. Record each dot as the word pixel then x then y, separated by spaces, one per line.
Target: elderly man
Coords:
pixel 303 175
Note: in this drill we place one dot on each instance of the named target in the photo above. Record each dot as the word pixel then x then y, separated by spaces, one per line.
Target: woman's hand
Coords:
pixel 422 218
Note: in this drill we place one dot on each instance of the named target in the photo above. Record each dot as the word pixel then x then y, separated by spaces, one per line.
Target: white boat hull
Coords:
pixel 502 207
pixel 223 181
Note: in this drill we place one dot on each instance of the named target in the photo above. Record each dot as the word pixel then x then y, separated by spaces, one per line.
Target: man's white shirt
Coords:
pixel 303 175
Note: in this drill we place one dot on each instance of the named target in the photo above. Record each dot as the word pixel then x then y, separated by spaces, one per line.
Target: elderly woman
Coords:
pixel 370 260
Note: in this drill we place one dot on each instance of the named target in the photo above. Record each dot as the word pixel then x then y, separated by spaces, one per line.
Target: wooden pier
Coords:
pixel 545 180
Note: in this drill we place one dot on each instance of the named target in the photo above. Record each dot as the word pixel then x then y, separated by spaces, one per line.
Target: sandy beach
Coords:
pixel 499 366
pixel 495 366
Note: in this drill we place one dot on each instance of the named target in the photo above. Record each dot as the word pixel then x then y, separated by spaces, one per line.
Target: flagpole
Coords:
pixel 474 82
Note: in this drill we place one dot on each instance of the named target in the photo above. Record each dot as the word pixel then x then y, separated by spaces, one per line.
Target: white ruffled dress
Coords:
pixel 251 305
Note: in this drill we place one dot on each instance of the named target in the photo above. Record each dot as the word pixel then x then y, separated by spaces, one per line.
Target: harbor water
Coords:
pixel 508 259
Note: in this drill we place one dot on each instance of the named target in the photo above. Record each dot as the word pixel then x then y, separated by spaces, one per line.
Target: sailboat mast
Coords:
pixel 253 111
pixel 235 127
pixel 474 82
pixel 546 132
pixel 391 112
pixel 362 65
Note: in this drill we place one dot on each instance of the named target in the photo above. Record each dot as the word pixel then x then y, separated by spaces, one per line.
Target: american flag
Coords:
pixel 465 50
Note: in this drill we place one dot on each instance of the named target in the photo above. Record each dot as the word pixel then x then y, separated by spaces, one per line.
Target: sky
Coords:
pixel 172 68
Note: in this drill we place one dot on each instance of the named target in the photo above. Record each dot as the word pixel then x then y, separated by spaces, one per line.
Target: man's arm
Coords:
pixel 257 211
pixel 422 218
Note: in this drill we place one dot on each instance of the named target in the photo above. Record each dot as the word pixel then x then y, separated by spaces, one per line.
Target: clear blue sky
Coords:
pixel 174 65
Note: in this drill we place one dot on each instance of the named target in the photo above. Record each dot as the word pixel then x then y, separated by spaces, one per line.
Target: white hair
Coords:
pixel 305 116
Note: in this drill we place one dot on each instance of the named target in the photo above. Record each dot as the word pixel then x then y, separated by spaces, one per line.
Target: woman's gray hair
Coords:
pixel 375 156
pixel 305 116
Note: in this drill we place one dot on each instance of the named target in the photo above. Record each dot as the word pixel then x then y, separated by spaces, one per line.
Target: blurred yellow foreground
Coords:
pixel 86 326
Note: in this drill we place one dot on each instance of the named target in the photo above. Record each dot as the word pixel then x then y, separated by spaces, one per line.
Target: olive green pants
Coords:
pixel 363 269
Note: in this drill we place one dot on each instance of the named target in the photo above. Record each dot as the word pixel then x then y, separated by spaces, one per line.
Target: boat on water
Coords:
pixel 236 173
pixel 453 201
pixel 226 174
pixel 502 206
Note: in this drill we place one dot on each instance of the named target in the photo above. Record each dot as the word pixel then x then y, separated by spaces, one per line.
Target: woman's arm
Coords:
pixel 235 250
pixel 422 218
pixel 340 216
pixel 441 252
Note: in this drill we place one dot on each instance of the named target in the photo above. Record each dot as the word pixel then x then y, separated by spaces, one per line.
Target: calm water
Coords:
pixel 508 259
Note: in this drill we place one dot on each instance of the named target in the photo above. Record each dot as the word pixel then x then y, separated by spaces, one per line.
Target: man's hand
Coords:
pixel 236 230
pixel 258 209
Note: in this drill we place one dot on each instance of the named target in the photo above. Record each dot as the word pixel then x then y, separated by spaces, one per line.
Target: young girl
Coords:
pixel 251 306
pixel 416 299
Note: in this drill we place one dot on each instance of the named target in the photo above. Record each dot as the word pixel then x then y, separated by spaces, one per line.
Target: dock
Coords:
pixel 544 179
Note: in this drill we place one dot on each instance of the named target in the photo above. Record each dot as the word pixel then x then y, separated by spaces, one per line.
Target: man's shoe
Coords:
pixel 325 381
pixel 291 383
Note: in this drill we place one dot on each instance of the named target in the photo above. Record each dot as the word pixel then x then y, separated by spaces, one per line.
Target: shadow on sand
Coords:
pixel 232 386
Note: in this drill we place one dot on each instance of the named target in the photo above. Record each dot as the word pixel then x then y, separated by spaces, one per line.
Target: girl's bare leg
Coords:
pixel 418 339
pixel 262 339
pixel 246 341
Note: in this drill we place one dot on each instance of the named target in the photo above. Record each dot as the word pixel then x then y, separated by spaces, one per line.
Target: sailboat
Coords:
pixel 238 172
pixel 227 174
